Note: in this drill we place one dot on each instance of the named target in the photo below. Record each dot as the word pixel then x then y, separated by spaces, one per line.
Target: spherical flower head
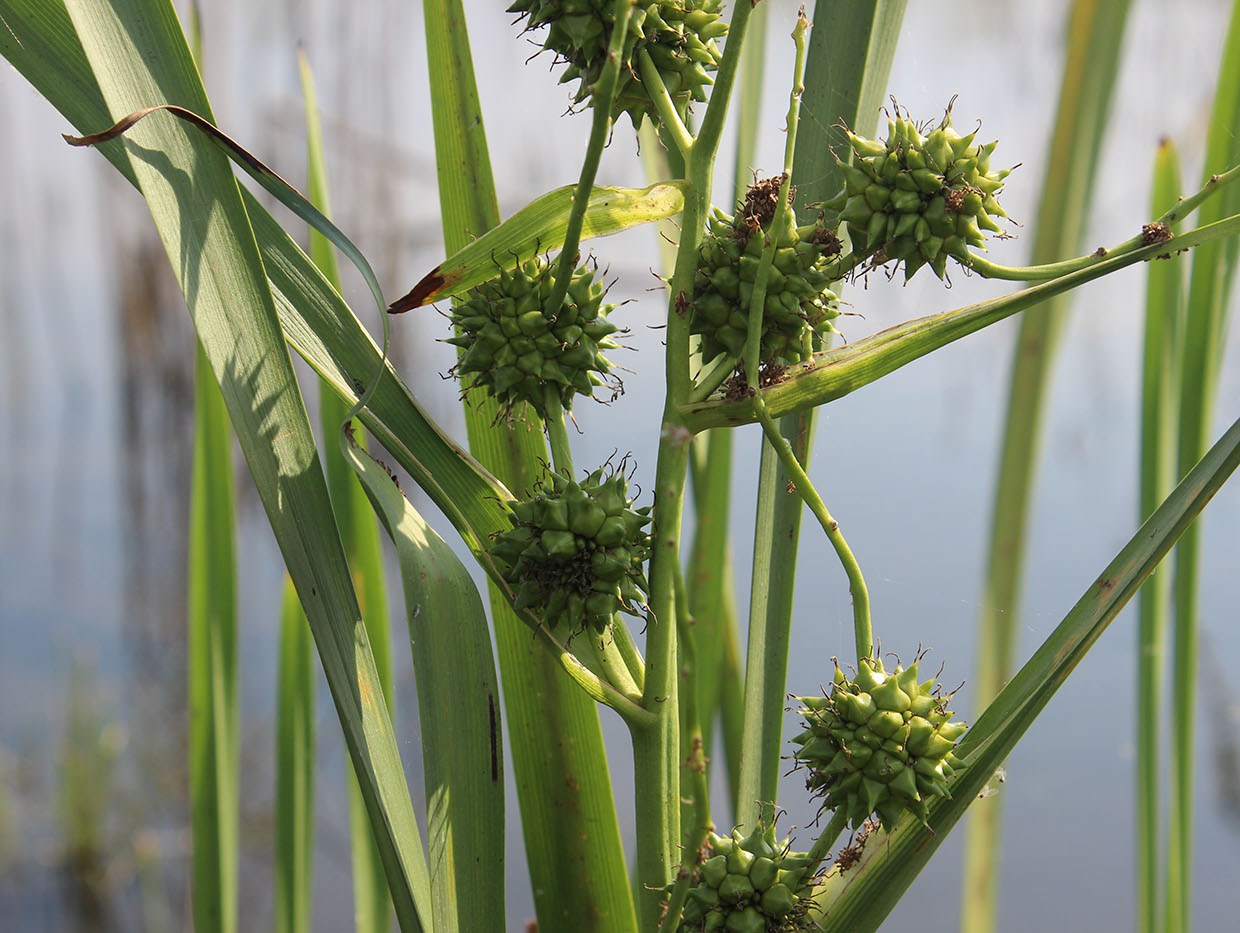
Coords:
pixel 518 349
pixel 924 195
pixel 798 308
pixel 576 551
pixel 879 743
pixel 749 884
pixel 678 35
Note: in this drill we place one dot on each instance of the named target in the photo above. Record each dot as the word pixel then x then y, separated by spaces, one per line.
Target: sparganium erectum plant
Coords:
pixel 595 598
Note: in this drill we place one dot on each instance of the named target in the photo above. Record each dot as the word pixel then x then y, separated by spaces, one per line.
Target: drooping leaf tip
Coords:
pixel 426 291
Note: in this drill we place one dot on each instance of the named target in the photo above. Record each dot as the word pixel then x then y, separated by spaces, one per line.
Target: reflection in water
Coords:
pixel 1219 692
pixel 155 346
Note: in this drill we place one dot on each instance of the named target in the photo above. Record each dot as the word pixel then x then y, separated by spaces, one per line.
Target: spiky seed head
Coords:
pixel 519 349
pixel 749 884
pixel 924 195
pixel 799 306
pixel 879 743
pixel 678 35
pixel 576 551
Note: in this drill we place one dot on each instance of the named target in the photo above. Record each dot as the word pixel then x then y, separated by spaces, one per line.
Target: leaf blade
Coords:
pixel 458 704
pixel 138 54
pixel 540 227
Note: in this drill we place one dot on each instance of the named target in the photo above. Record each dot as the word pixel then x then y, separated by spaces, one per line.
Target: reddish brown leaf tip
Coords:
pixel 422 293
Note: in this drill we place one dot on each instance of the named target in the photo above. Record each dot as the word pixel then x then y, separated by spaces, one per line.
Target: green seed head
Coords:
pixel 678 35
pixel 880 743
pixel 748 883
pixel 520 350
pixel 798 308
pixel 923 196
pixel 576 551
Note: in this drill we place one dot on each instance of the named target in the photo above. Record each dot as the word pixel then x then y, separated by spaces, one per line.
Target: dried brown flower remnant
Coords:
pixel 1154 233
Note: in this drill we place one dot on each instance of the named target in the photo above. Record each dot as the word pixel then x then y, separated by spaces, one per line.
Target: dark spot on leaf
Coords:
pixel 494 726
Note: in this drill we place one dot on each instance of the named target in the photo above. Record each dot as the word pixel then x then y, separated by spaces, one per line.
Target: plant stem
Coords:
pixel 557 436
pixel 695 838
pixel 601 100
pixel 1054 270
pixel 695 804
pixel 1163 313
pixel 628 651
pixel 753 339
pixel 862 627
pixel 656 750
pixel 669 119
pixel 715 375
pixel 822 845
pixel 596 687
pixel 612 666
pixel 835 373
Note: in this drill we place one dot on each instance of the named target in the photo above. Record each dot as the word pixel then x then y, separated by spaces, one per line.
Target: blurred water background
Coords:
pixel 95 402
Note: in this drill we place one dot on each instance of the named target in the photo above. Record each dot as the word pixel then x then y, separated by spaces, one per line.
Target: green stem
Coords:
pixel 669 118
pixel 1054 270
pixel 766 660
pixel 835 373
pixel 628 651
pixel 601 100
pixel 557 435
pixel 753 339
pixel 715 375
pixel 757 300
pixel 595 686
pixel 694 840
pixel 612 666
pixel 862 628
pixel 1163 310
pixel 822 845
pixel 656 750
pixel 695 803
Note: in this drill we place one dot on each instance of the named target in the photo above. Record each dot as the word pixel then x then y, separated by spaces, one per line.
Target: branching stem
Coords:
pixel 753 339
pixel 862 627
pixel 1053 270
pixel 669 118
pixel 716 374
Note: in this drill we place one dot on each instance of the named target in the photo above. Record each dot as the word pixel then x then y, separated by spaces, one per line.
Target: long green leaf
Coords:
pixel 850 53
pixel 572 837
pixel 540 227
pixel 867 894
pixel 212 660
pixel 1164 301
pixel 1214 270
pixel 372 904
pixel 139 58
pixel 1095 37
pixel 458 704
pixel 295 764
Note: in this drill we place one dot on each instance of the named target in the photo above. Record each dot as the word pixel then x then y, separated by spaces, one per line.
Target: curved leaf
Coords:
pixel 537 228
pixel 136 50
pixel 458 704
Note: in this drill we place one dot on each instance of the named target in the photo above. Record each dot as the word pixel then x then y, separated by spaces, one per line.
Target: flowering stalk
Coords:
pixel 863 632
pixel 656 751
